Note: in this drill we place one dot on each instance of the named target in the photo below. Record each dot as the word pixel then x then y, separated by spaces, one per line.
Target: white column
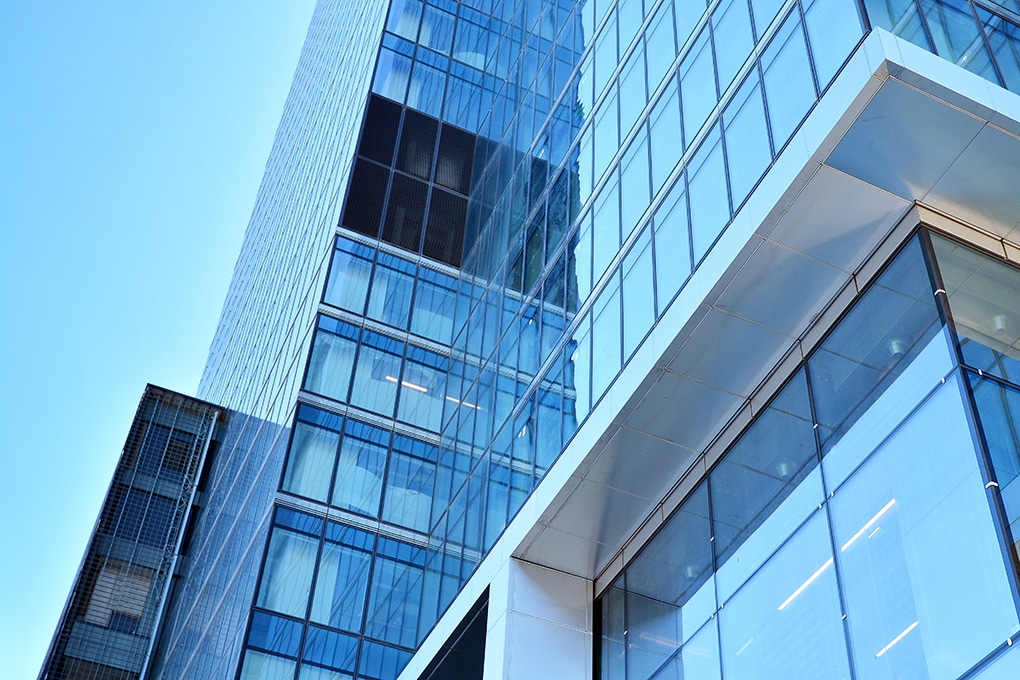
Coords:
pixel 539 625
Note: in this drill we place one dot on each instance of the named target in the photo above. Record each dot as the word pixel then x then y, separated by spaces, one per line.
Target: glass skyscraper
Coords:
pixel 637 339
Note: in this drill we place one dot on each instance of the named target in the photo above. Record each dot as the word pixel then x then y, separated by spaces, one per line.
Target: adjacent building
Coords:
pixel 637 339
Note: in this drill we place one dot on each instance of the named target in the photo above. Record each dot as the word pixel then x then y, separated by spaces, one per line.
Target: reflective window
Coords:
pixel 638 293
pixel 672 245
pixel 359 472
pixel 834 27
pixel 697 86
pixel 747 139
pixel 909 523
pixel 410 480
pixel 710 209
pixel 789 85
pixel 310 462
pixel 731 29
pixel 332 359
pixel 390 300
pixel 287 574
pixel 340 587
pixel 985 307
pixel 377 374
pixel 349 275
pixel 787 621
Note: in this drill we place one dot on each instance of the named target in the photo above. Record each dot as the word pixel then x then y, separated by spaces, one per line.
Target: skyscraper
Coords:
pixel 620 340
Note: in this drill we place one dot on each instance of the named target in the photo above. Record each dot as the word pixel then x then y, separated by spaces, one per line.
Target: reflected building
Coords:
pixel 613 340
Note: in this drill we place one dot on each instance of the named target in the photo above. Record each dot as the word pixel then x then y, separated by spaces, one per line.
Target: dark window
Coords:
pixel 366 198
pixel 444 237
pixel 417 144
pixel 406 213
pixel 456 153
pixel 379 137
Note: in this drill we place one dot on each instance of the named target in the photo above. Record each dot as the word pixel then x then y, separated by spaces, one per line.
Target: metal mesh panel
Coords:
pixel 456 155
pixel 365 198
pixel 379 136
pixel 444 236
pixel 405 214
pixel 417 144
pixel 114 606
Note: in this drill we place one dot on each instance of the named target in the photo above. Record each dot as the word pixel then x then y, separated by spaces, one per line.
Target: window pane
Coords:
pixel 409 489
pixel 330 364
pixel 747 139
pixel 761 489
pixel 666 143
pixel 834 28
pixel 634 186
pixel 340 587
pixel 787 621
pixel 359 475
pixel 672 245
pixel 259 666
pixel 434 304
pixel 925 583
pixel 731 28
pixel 606 338
pixel 348 277
pixel 377 375
pixel 789 86
pixel 985 307
pixel 310 463
pixel 335 650
pixel 287 575
pixel 710 209
pixel 697 86
pixel 394 602
pixel 638 293
pixel 391 292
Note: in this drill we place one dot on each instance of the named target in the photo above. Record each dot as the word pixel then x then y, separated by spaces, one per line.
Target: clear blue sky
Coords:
pixel 132 141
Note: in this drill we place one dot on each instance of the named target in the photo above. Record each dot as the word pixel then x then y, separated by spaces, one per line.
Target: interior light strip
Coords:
pixel 896 639
pixel 464 403
pixel 803 586
pixel 407 384
pixel 867 526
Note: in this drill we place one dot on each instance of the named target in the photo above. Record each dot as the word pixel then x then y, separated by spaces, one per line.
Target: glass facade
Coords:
pixel 474 217
pixel 860 521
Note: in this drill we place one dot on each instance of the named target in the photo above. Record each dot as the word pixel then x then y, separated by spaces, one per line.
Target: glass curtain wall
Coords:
pixel 862 525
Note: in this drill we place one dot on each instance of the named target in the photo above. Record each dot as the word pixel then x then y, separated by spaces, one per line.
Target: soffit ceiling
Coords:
pixel 906 145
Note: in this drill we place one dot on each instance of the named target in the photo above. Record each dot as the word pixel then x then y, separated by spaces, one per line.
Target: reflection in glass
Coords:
pixel 984 305
pixel 340 587
pixel 287 575
pixel 925 584
pixel 787 621
pixel 310 464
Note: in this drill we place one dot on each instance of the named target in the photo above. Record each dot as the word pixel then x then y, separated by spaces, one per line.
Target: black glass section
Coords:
pixel 462 656
pixel 417 144
pixel 456 156
pixel 444 237
pixel 405 214
pixel 365 198
pixel 379 137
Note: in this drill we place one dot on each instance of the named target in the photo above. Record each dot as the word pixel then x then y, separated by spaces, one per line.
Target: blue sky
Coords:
pixel 132 142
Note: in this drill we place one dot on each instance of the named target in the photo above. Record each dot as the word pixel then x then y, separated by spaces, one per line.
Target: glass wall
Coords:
pixel 333 602
pixel 861 523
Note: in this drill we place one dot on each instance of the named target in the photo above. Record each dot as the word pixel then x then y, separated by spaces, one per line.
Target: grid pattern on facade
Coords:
pixel 116 602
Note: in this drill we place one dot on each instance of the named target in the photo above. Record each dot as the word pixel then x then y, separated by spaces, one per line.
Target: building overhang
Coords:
pixel 900 137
